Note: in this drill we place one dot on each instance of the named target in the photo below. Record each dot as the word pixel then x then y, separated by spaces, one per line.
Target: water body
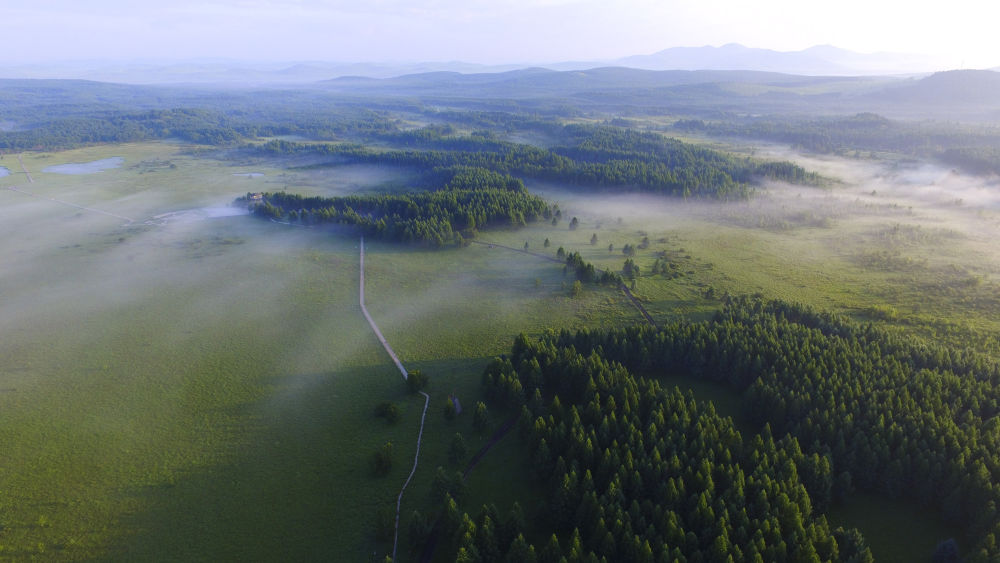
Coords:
pixel 4 172
pixel 249 174
pixel 76 168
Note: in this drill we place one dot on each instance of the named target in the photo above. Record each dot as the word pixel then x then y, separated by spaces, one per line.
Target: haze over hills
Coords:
pixel 960 94
pixel 822 60
pixel 951 87
pixel 531 82
pixel 817 60
pixel 964 94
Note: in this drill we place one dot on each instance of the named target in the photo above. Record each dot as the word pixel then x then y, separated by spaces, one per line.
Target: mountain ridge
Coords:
pixel 818 60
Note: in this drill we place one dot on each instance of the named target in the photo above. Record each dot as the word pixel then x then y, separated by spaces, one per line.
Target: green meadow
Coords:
pixel 200 388
pixel 194 386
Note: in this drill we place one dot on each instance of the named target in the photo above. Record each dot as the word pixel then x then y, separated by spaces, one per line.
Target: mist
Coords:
pixel 928 228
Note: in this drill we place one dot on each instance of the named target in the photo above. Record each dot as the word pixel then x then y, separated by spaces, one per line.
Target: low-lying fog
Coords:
pixel 959 213
pixel 146 335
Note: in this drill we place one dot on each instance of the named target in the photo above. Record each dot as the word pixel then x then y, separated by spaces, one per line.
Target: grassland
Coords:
pixel 819 247
pixel 182 387
pixel 195 388
pixel 897 257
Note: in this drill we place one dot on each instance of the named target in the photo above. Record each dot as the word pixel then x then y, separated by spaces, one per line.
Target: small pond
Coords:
pixel 91 167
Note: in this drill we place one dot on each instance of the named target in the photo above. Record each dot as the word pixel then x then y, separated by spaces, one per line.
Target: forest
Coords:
pixel 602 157
pixel 642 473
pixel 612 454
pixel 473 199
pixel 969 147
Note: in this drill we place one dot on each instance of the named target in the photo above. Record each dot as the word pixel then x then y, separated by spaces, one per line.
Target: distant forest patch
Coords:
pixel 600 157
pixel 969 147
pixel 474 199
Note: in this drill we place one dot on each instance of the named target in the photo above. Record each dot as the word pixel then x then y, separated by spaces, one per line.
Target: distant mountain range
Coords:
pixel 604 82
pixel 958 94
pixel 819 60
pixel 947 94
pixel 815 61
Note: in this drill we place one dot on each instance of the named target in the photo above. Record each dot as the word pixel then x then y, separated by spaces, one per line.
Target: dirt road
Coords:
pixel 26 173
pixel 402 370
pixel 378 333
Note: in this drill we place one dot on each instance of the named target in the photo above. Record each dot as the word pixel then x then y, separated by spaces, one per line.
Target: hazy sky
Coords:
pixel 487 31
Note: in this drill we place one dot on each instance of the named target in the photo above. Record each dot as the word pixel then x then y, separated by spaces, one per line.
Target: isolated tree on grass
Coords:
pixel 480 417
pixel 546 243
pixel 383 459
pixel 416 381
pixel 630 270
pixel 573 223
pixel 577 289
pixel 593 239
pixel 449 410
pixel 389 411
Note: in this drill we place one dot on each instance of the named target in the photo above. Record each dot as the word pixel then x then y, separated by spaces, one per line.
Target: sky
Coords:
pixel 486 31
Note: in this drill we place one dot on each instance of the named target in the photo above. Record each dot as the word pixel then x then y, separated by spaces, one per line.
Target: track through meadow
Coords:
pixel 402 370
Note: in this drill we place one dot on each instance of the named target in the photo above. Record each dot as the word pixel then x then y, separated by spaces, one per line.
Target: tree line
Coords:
pixel 871 410
pixel 638 472
pixel 199 125
pixel 606 157
pixel 472 200
pixel 971 148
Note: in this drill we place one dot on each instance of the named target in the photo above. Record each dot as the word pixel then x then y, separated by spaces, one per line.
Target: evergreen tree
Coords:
pixel 480 417
pixel 457 450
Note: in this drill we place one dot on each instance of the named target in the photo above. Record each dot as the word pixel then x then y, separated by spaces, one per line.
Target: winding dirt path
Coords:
pixel 416 456
pixel 402 370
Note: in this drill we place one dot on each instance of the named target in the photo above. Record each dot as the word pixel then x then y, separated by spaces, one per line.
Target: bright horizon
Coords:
pixel 484 31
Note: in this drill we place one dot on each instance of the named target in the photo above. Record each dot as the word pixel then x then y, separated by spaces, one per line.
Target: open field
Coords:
pixel 202 388
pixel 906 244
pixel 192 385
